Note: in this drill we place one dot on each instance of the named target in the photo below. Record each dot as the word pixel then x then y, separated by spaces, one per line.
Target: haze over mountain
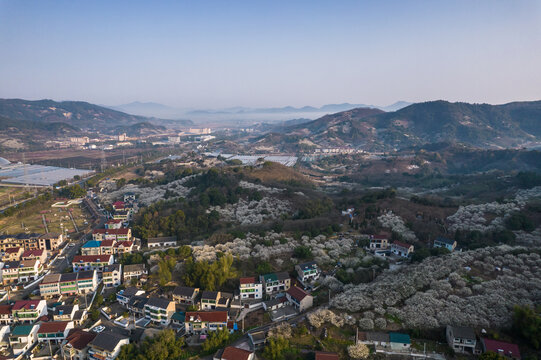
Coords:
pixel 480 125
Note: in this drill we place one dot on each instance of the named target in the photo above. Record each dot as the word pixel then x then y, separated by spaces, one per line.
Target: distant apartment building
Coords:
pixel 49 241
pixel 20 271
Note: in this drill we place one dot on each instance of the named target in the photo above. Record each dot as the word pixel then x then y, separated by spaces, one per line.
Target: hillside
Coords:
pixel 142 128
pixel 76 113
pixel 479 125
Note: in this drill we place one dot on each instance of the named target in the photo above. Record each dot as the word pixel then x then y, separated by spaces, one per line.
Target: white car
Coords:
pixel 71 244
pixel 98 329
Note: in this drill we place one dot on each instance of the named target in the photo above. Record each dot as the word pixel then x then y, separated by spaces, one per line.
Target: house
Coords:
pixel 258 339
pixel 22 338
pixel 54 331
pixel 185 295
pixel 106 346
pixel 118 205
pixel 401 248
pixel 399 341
pixel 38 254
pixel 159 310
pixel 122 215
pixel 5 315
pixel 461 339
pixel 10 272
pixel 165 241
pixel 307 272
pixel 29 270
pixel 112 275
pixel 113 224
pixel 323 355
pixel 28 311
pixel 134 271
pixel 379 242
pixel 12 254
pixel 445 243
pixel 275 282
pixel 203 322
pixel 275 303
pixel 129 197
pixel 299 298
pixel 377 338
pixel 123 247
pixel 87 281
pixel 233 353
pixel 178 319
pixel 50 241
pixel 91 262
pixel 76 345
pixel 136 305
pixel 122 234
pixel 209 300
pixel 107 247
pixel 91 247
pixel 502 348
pixel 80 317
pixel 65 312
pixel 250 289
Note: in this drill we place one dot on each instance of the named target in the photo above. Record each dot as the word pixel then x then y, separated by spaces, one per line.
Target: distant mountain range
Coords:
pixel 239 112
pixel 480 125
pixel 78 114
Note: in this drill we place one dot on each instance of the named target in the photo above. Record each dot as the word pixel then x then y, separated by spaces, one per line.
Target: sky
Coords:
pixel 214 54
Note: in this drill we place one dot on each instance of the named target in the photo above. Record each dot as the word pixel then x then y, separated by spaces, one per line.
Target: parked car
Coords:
pixel 98 329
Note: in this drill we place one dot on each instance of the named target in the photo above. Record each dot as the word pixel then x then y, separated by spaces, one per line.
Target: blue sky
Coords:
pixel 270 53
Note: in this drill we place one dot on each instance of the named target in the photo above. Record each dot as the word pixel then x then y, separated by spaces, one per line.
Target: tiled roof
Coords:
pixel 50 279
pixel 380 237
pixel 184 291
pixel 89 274
pixel 68 277
pixel 401 244
pixel 21 330
pixel 297 293
pixel 235 353
pixel 5 309
pixel 111 231
pixel 276 276
pixel 445 241
pixel 308 266
pixel 26 304
pixel 79 339
pixel 463 332
pixel 124 244
pixel 502 348
pixel 52 327
pixel 162 239
pixel 399 338
pixel 13 250
pixel 322 355
pixel 158 302
pixel 111 268
pixel 247 280
pixel 36 253
pixel 107 243
pixel 212 295
pixel 134 267
pixel 91 258
pixel 207 316
pixel 108 341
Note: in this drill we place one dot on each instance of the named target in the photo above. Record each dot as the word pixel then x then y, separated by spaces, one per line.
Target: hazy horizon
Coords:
pixel 213 55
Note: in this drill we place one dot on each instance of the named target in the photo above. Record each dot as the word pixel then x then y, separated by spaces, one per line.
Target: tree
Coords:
pixel 216 340
pixel 163 346
pixel 302 252
pixel 358 351
pixel 277 348
pixel 490 355
pixel 527 322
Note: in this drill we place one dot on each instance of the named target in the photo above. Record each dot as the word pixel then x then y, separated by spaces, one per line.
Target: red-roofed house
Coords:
pixel 250 288
pixel 54 331
pixel 76 346
pixel 37 254
pixel 506 349
pixel 401 248
pixel 5 315
pixel 323 355
pixel 107 247
pixel 111 234
pixel 91 262
pixel 299 298
pixel 28 311
pixel 119 205
pixel 203 322
pixel 233 353
pixel 114 224
pixel 123 247
pixel 379 242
